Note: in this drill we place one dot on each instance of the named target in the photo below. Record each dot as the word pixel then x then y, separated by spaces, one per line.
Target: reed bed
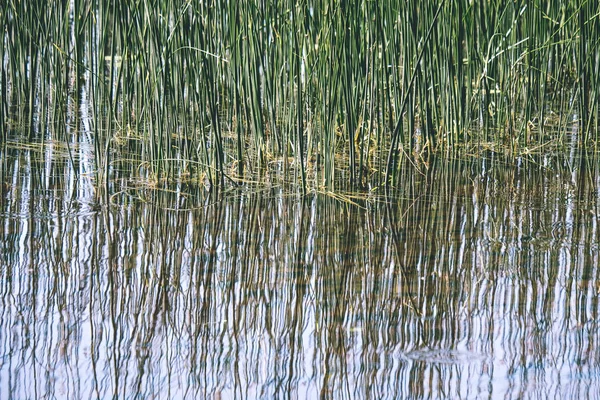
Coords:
pixel 318 93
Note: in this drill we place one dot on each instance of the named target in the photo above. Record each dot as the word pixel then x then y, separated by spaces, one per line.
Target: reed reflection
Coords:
pixel 477 279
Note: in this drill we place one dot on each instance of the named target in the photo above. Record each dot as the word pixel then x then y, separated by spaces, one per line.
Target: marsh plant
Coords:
pixel 318 93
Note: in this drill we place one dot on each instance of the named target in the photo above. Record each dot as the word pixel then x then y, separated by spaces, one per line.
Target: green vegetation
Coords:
pixel 319 93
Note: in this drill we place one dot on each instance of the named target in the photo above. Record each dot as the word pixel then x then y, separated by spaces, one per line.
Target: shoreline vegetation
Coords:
pixel 320 94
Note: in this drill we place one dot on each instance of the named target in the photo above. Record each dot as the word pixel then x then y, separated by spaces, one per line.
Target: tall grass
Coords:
pixel 320 93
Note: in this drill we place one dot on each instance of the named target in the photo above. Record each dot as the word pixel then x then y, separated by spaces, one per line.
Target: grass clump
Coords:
pixel 318 93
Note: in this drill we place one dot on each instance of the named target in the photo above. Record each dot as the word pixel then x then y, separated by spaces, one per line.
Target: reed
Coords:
pixel 324 94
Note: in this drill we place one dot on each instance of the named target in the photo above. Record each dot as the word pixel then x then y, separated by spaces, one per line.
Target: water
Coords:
pixel 476 279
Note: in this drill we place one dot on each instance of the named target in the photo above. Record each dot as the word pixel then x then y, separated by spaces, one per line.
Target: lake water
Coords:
pixel 476 278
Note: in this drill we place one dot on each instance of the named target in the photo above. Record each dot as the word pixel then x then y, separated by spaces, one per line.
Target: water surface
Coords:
pixel 475 279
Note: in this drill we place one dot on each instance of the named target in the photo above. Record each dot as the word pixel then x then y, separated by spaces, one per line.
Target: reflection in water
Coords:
pixel 477 280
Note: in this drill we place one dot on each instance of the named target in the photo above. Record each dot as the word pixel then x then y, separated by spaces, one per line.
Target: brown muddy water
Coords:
pixel 477 278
